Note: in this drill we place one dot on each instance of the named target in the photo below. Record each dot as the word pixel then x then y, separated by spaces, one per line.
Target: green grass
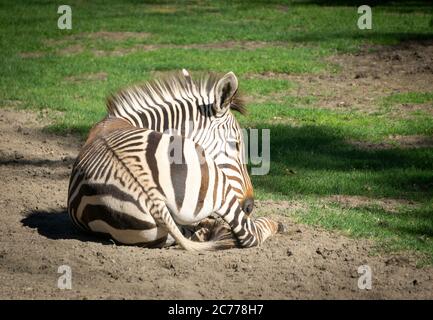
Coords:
pixel 409 97
pixel 310 154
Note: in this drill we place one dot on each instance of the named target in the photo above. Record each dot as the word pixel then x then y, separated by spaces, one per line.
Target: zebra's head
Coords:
pixel 227 135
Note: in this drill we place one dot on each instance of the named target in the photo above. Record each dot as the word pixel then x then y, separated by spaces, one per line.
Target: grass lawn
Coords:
pixel 70 72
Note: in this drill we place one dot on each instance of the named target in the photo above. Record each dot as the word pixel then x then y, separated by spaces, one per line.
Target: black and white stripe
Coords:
pixel 124 182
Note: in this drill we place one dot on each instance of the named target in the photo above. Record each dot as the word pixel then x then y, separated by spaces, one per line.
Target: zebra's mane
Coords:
pixel 168 88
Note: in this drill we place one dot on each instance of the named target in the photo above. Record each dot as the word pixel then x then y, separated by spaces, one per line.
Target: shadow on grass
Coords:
pixel 374 36
pixel 324 163
pixel 390 3
pixel 394 5
pixel 416 223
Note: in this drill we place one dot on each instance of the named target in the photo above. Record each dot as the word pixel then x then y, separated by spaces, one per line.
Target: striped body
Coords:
pixel 141 185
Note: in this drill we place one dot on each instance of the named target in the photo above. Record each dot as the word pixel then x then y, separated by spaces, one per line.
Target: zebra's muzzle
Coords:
pixel 248 205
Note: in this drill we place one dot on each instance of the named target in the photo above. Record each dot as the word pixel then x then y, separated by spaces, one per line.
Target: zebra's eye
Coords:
pixel 234 144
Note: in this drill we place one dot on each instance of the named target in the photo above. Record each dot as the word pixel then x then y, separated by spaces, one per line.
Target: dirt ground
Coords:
pixel 36 236
pixel 364 78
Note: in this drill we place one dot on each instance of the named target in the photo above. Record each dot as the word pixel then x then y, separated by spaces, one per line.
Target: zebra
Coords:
pixel 125 183
pixel 187 108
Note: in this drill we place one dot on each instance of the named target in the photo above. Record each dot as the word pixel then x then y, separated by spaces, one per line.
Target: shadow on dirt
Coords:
pixel 55 224
pixel 9 161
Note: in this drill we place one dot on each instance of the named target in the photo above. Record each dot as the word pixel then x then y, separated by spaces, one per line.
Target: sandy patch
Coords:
pixel 397 141
pixel 98 76
pixel 386 204
pixel 366 77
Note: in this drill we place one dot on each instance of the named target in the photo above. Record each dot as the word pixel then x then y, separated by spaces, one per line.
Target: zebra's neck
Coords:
pixel 187 111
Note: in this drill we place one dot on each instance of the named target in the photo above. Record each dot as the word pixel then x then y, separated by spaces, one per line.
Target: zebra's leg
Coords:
pixel 201 235
pixel 248 232
pixel 211 229
pixel 163 218
pixel 195 232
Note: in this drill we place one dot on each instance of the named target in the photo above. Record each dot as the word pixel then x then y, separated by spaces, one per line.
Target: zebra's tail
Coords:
pixel 213 230
pixel 212 241
pixel 211 245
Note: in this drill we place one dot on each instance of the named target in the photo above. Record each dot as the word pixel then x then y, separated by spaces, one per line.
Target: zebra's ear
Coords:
pixel 187 76
pixel 225 89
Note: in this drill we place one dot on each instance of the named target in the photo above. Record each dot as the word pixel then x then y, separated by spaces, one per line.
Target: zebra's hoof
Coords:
pixel 281 228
